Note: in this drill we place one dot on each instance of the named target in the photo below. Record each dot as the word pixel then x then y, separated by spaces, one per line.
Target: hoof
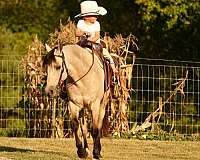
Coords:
pixel 82 153
pixel 97 157
pixel 96 154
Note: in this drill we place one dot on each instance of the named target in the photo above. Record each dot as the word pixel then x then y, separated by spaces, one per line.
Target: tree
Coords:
pixel 33 16
pixel 171 28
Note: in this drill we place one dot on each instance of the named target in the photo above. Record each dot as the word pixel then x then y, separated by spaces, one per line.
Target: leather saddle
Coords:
pixel 97 49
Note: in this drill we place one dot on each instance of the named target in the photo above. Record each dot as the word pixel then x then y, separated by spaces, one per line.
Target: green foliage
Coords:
pixel 121 18
pixel 13 43
pixel 162 136
pixel 13 122
pixel 171 28
pixel 169 13
pixel 12 46
pixel 165 136
pixel 33 16
pixel 15 127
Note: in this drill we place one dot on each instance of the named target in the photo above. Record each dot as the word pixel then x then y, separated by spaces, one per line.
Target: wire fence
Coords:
pixel 169 87
pixel 156 80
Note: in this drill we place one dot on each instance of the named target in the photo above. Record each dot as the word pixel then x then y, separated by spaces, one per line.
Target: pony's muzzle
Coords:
pixel 50 91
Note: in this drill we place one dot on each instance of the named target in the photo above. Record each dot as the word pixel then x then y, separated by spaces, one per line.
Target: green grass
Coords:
pixel 112 149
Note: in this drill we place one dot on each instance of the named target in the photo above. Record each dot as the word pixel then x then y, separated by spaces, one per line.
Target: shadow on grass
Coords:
pixel 12 149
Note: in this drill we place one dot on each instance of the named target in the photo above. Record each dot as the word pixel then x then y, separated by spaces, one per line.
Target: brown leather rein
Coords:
pixel 62 83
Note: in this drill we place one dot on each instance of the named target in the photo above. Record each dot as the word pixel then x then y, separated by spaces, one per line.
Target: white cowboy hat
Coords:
pixel 91 8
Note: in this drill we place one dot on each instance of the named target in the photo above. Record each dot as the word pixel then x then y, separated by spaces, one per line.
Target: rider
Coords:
pixel 89 26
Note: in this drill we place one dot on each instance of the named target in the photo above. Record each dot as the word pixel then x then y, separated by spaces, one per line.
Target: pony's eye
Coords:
pixel 58 67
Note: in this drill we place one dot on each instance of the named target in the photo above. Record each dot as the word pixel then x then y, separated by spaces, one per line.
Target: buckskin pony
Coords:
pixel 84 76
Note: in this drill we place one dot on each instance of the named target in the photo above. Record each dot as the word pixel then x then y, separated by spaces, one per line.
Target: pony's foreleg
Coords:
pixel 84 129
pixel 74 110
pixel 96 130
pixel 98 115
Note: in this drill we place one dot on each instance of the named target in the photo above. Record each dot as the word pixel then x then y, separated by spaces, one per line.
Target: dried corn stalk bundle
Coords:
pixel 119 48
pixel 37 111
pixel 64 35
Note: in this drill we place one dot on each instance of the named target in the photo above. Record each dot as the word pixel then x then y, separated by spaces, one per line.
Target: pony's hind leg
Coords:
pixel 74 110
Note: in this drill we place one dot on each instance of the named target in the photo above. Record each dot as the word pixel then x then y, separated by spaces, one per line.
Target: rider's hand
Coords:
pixel 87 34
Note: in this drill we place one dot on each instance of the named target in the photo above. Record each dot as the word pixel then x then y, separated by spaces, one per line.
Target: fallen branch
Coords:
pixel 150 120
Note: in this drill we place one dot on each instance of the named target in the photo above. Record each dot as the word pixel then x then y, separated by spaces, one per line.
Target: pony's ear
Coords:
pixel 48 48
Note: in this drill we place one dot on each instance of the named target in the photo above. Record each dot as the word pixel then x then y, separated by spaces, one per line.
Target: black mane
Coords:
pixel 48 58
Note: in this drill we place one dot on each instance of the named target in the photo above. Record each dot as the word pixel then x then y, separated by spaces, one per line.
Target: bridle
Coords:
pixel 63 67
pixel 61 82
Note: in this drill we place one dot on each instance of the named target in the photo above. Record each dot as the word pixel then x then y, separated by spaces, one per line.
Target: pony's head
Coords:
pixel 56 71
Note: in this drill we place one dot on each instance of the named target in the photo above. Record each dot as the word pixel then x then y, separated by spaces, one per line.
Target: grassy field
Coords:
pixel 112 149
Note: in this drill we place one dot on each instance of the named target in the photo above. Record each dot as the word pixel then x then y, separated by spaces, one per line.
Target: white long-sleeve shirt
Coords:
pixel 92 28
